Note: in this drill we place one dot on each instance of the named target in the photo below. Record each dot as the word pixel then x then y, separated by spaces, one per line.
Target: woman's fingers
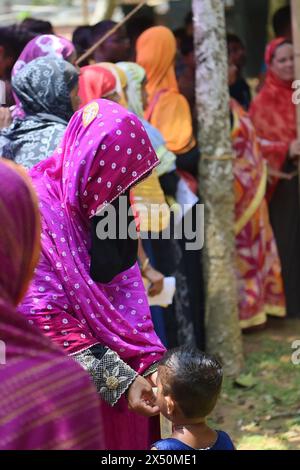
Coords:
pixel 141 398
pixel 156 288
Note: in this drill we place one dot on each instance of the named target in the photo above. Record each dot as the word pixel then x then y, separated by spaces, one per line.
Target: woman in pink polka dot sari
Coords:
pixel 106 327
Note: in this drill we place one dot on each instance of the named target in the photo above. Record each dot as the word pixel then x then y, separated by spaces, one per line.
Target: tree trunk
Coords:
pixel 104 10
pixel 216 184
pixel 85 11
pixel 110 9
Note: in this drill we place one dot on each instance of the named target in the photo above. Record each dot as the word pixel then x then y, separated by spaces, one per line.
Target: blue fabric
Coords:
pixel 240 91
pixel 154 135
pixel 167 158
pixel 157 313
pixel 223 442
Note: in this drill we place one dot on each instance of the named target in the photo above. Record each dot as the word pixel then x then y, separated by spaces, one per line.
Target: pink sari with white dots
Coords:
pixel 104 151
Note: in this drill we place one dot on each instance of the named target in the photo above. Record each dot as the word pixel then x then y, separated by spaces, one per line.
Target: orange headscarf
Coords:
pixel 167 110
pixel 95 82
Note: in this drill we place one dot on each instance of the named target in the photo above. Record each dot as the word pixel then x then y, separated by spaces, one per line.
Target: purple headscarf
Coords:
pixel 105 150
pixel 47 44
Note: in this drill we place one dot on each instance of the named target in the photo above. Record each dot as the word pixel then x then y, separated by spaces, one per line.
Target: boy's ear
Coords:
pixel 170 405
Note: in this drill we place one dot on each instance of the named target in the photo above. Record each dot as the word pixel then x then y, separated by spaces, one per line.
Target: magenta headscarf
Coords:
pixel 46 399
pixel 47 44
pixel 105 150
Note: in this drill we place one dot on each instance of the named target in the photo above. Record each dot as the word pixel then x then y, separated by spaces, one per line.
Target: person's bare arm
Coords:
pixel 155 278
pixel 272 173
pixel 5 117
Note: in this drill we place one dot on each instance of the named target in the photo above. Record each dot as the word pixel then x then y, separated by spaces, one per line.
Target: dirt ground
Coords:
pixel 262 411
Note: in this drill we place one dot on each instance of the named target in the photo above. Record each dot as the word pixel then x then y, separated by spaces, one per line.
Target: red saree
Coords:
pixel 260 287
pixel 274 117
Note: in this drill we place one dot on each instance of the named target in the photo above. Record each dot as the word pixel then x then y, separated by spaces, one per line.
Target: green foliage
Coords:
pixel 23 15
pixel 261 409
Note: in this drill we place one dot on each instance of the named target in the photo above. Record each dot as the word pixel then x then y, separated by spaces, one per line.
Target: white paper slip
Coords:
pixel 165 298
pixel 185 197
pixel 2 93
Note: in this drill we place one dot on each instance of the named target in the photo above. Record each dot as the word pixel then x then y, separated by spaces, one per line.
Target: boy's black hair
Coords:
pixel 82 37
pixel 37 26
pixel 137 25
pixel 193 379
pixel 281 20
pixel 82 40
pixel 13 39
pixel 188 18
pixel 99 29
pixel 187 45
pixel 230 38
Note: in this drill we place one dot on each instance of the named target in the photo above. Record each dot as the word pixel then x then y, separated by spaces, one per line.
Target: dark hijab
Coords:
pixel 43 87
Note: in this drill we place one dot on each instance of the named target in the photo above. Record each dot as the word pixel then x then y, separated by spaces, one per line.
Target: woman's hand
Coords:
pixel 279 174
pixel 5 117
pixel 156 280
pixel 294 149
pixel 141 398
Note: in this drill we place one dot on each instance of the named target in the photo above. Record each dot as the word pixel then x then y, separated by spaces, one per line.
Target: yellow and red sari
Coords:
pixel 260 286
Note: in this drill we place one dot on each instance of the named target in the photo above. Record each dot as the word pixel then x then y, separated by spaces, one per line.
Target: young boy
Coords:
pixel 189 383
